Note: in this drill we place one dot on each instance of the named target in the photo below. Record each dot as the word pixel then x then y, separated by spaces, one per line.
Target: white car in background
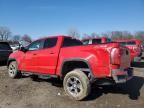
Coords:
pixel 19 45
pixel 14 47
pixel 23 43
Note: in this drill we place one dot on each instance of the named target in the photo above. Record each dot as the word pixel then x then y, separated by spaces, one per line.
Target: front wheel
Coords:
pixel 77 85
pixel 13 71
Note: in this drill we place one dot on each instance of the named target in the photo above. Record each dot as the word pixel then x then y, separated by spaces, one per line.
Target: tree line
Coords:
pixel 114 35
pixel 6 35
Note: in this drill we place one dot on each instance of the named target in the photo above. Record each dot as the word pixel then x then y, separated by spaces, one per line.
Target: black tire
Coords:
pixel 13 72
pixel 81 89
pixel 35 77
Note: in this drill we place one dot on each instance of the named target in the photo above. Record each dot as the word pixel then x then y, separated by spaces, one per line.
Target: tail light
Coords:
pixel 115 56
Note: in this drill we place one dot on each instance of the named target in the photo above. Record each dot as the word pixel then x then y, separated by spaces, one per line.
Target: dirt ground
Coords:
pixel 26 93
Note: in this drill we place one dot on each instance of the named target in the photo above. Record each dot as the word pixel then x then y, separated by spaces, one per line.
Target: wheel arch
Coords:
pixel 74 61
pixel 10 60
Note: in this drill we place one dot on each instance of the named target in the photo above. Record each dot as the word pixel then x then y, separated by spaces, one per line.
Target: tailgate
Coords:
pixel 124 57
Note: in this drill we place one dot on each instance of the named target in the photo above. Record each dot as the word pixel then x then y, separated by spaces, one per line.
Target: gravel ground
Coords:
pixel 26 93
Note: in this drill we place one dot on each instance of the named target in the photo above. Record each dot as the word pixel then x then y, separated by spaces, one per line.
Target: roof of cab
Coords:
pixel 94 38
pixel 45 37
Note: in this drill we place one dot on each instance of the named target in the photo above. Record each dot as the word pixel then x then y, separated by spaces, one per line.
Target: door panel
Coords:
pixel 30 61
pixel 48 56
pixel 43 59
pixel 47 60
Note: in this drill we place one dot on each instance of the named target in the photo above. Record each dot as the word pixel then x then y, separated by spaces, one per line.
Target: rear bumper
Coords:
pixel 122 75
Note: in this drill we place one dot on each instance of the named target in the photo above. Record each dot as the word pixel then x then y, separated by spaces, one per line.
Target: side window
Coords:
pixel 71 42
pixel 50 42
pixel 35 45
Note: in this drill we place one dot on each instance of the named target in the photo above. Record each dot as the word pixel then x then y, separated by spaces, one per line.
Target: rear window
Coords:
pixel 96 41
pixel 4 46
pixel 122 43
pixel 50 42
pixel 71 42
pixel 127 43
pixel 131 43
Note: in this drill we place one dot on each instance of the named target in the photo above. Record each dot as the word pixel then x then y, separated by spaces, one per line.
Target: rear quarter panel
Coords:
pixel 96 57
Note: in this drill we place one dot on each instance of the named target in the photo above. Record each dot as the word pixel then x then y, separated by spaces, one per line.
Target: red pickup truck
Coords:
pixel 135 47
pixel 77 65
pixel 100 40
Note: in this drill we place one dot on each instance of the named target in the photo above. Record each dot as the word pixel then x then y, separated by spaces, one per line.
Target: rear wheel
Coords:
pixel 13 71
pixel 77 85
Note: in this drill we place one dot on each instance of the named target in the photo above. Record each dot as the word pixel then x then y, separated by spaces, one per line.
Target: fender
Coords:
pixel 9 60
pixel 76 59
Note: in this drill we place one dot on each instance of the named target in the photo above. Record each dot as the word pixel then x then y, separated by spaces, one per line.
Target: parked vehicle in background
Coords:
pixel 5 51
pixel 19 45
pixel 15 47
pixel 100 40
pixel 135 47
pixel 24 43
pixel 77 65
pixel 142 47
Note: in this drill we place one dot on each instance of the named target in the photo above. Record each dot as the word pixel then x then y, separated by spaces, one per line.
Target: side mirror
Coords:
pixel 23 49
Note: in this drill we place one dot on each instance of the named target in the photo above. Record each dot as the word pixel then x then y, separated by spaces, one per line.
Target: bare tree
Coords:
pixel 116 35
pixel 26 38
pixel 139 35
pixel 127 35
pixel 16 38
pixel 121 35
pixel 107 34
pixel 94 35
pixel 4 33
pixel 85 35
pixel 73 32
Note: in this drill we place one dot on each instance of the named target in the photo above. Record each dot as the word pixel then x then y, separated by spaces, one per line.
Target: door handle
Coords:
pixel 51 52
pixel 34 54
